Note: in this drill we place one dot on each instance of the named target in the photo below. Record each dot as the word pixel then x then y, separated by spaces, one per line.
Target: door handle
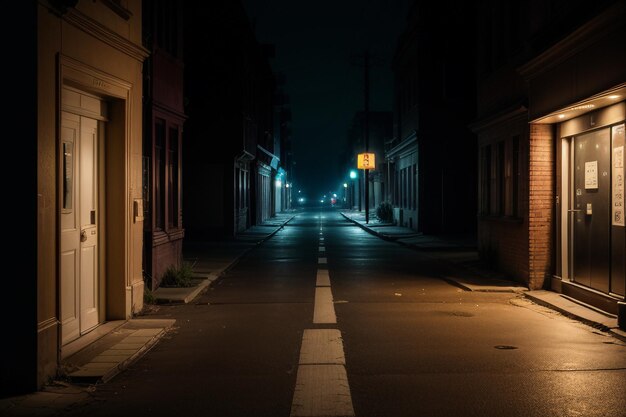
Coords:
pixel 83 235
pixel 573 210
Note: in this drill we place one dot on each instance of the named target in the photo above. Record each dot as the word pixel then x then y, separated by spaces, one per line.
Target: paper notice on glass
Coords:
pixel 618 187
pixel 591 175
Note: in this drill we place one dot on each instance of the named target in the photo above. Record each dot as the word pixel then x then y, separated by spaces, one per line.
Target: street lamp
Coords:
pixel 353 176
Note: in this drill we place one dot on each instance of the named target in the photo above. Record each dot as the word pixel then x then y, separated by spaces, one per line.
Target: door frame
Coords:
pixel 562 281
pixel 116 238
pixel 71 96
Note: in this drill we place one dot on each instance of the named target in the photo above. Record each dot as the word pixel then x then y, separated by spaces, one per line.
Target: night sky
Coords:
pixel 318 46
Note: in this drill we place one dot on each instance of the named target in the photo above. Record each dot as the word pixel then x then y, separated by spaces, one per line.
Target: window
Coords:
pixel 404 188
pixel 415 195
pixel 68 175
pixel 172 186
pixel 512 176
pixel 159 174
pixel 166 189
pixel 499 178
pixel 485 179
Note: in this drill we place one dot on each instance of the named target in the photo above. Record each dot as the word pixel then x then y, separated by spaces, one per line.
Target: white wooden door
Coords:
pixel 79 226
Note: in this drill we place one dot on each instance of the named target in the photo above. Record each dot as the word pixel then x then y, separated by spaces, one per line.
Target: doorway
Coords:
pixel 80 247
pixel 597 246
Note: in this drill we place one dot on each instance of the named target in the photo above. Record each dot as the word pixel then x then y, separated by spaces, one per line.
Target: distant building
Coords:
pixel 434 179
pixel 282 146
pixel 551 115
pixel 228 148
pixel 164 119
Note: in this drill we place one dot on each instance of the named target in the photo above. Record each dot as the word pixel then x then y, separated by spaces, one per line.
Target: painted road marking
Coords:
pixel 324 309
pixel 322 390
pixel 322 387
pixel 323 279
pixel 322 346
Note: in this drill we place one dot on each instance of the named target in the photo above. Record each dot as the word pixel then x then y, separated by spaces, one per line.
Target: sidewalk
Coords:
pixel 210 260
pixel 459 253
pixel 113 346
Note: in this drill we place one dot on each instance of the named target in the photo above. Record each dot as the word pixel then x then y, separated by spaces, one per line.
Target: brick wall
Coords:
pixel 503 245
pixel 503 241
pixel 540 205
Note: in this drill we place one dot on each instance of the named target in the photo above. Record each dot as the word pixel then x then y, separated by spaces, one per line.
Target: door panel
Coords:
pixel 89 231
pixel 69 230
pixel 591 246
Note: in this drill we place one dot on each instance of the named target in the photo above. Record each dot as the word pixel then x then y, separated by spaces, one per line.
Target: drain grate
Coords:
pixel 505 347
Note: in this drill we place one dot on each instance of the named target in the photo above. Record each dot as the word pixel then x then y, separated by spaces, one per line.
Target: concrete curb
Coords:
pixel 164 295
pixel 481 287
pixel 125 364
pixel 91 372
pixel 577 311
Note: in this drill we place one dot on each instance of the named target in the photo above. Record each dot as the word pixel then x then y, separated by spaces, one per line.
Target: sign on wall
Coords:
pixel 617 215
pixel 366 161
pixel 591 175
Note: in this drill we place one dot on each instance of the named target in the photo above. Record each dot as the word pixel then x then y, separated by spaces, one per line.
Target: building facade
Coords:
pixel 552 84
pixel 228 143
pixel 433 179
pixel 89 173
pixel 164 119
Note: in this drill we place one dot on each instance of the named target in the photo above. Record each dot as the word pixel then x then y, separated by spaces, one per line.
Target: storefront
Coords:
pixel 590 228
pixel 576 95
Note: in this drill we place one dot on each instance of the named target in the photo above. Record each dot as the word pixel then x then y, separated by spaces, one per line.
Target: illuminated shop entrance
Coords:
pixel 598 246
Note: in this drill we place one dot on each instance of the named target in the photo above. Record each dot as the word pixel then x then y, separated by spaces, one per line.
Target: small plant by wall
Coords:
pixel 177 276
pixel 384 212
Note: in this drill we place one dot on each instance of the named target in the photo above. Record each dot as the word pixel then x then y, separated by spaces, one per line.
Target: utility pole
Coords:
pixel 366 132
pixel 367 61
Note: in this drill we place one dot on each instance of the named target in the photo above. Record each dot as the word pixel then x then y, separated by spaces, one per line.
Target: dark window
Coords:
pixel 172 189
pixel 485 178
pixel 497 180
pixel 414 175
pixel 512 176
pixel 159 173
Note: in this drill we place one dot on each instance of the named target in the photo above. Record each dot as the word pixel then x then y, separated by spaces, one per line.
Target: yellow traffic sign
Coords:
pixel 366 161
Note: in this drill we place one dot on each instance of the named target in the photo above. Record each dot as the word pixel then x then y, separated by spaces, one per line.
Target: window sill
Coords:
pixel 159 236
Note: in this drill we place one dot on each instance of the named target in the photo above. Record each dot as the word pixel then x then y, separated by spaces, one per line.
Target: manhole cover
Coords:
pixel 505 347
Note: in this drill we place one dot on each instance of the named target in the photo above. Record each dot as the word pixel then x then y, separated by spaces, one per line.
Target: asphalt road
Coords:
pixel 413 344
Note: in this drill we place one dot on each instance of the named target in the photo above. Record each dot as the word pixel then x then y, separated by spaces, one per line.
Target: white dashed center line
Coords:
pixel 322 387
